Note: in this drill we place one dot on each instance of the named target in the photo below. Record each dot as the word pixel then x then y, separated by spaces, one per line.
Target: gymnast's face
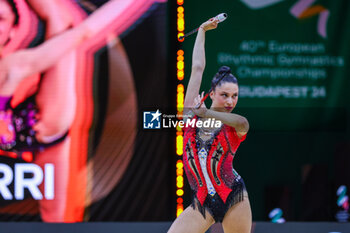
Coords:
pixel 225 97
pixel 7 19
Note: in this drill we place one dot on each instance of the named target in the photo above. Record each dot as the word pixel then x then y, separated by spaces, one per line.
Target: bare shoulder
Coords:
pixel 241 134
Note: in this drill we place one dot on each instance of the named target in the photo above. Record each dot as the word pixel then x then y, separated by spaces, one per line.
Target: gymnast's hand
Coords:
pixel 210 24
pixel 202 110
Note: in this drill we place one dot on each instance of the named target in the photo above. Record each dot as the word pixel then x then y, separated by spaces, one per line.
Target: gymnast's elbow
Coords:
pixel 243 125
pixel 85 31
pixel 198 68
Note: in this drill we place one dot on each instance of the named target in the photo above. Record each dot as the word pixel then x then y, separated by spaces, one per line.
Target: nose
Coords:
pixel 229 102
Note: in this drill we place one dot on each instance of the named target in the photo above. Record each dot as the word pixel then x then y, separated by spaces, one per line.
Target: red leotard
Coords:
pixel 216 187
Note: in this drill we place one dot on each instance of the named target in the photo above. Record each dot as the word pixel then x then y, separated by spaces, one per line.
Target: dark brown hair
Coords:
pixel 14 10
pixel 224 75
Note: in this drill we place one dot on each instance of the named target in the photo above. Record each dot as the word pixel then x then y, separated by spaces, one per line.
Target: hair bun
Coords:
pixel 222 76
pixel 224 69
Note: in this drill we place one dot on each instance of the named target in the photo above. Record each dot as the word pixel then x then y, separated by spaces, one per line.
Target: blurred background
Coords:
pixel 291 60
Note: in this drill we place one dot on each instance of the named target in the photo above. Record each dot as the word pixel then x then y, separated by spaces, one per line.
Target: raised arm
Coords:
pixel 198 63
pixel 30 61
pixel 26 62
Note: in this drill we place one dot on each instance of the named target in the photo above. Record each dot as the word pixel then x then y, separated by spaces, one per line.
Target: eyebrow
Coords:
pixel 224 92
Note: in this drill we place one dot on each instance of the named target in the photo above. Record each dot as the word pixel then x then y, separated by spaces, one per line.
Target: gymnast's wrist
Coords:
pixel 203 28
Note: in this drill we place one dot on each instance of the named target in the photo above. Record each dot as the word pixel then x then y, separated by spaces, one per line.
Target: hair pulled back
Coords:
pixel 14 10
pixel 223 75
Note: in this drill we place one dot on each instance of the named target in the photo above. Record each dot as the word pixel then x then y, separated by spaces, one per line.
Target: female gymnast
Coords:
pixel 50 110
pixel 219 191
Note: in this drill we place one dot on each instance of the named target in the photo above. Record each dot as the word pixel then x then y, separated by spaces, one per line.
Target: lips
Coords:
pixel 229 108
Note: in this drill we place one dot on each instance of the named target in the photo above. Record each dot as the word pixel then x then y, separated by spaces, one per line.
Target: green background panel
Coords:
pixel 286 134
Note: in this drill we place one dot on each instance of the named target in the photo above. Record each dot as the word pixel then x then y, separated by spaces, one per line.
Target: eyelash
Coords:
pixel 235 95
